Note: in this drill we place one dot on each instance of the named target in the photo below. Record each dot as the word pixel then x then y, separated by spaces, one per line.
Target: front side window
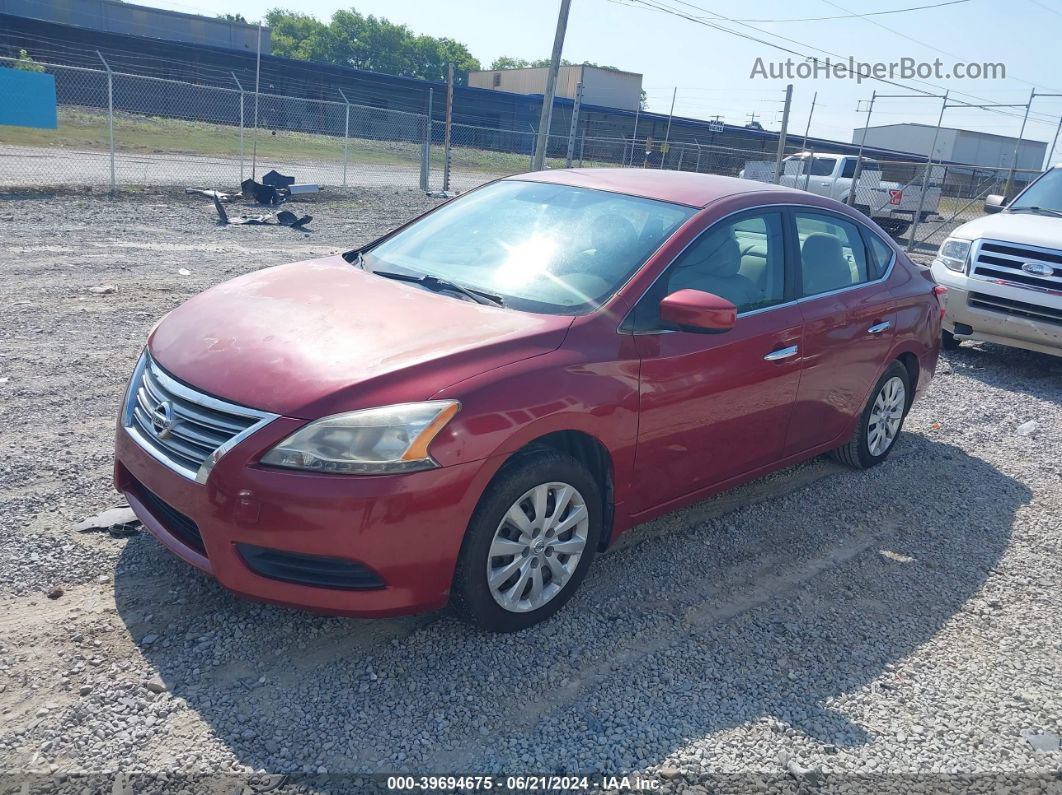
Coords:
pixel 741 260
pixel 540 247
pixel 832 255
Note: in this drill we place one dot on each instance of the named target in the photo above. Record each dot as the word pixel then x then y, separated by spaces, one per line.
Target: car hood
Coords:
pixel 322 336
pixel 1025 228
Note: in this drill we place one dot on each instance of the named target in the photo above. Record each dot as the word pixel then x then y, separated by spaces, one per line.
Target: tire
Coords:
pixel 496 527
pixel 859 452
pixel 895 228
pixel 949 341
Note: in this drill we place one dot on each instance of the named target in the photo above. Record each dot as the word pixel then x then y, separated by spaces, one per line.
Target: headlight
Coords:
pixel 953 253
pixel 369 442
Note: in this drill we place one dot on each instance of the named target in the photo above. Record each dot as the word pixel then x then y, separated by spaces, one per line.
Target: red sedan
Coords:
pixel 467 410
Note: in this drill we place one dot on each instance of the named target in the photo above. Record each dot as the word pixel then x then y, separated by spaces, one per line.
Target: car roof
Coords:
pixel 681 187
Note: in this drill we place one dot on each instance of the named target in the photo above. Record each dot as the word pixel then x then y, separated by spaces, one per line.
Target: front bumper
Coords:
pixel 406 530
pixel 999 325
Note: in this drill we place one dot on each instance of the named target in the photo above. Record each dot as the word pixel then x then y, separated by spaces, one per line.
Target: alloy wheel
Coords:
pixel 537 546
pixel 886 415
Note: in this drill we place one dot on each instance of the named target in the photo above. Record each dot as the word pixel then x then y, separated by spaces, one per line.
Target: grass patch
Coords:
pixel 81 128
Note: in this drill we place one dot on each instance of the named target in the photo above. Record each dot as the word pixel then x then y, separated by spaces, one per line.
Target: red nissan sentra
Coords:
pixel 467 410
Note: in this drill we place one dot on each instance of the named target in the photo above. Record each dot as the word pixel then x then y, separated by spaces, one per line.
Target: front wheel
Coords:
pixel 880 422
pixel 529 544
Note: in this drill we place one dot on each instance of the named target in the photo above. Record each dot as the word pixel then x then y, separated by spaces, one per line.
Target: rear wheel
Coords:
pixel 880 422
pixel 529 544
pixel 893 227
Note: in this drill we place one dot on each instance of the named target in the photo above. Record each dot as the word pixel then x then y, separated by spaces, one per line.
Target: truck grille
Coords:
pixel 998 261
pixel 1007 306
pixel 185 429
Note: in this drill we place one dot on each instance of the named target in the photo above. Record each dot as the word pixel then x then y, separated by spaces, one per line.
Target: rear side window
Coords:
pixel 822 166
pixel 849 168
pixel 879 255
pixel 832 255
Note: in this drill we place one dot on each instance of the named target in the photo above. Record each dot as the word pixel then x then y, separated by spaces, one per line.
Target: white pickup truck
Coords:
pixel 891 204
pixel 1004 271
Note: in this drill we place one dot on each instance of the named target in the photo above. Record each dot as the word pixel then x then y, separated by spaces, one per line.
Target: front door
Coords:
pixel 715 406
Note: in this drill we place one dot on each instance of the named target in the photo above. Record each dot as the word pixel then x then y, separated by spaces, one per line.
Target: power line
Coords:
pixel 919 42
pixel 656 5
pixel 1046 7
pixel 851 15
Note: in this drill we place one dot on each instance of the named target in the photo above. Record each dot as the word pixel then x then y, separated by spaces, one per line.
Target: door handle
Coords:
pixel 781 353
pixel 879 328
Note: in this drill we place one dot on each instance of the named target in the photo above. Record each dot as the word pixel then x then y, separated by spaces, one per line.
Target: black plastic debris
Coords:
pixel 287 218
pixel 263 194
pixel 277 180
pixel 284 218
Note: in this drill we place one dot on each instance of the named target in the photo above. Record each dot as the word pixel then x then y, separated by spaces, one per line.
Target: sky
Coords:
pixel 711 68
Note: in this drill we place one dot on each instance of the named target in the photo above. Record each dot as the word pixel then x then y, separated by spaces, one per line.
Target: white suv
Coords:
pixel 1004 271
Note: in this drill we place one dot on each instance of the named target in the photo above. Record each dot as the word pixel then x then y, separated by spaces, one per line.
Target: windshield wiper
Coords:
pixel 1044 210
pixel 443 285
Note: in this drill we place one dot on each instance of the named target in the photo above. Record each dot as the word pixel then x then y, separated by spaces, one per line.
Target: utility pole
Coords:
pixel 781 136
pixel 1017 145
pixel 752 119
pixel 664 147
pixel 257 84
pixel 807 129
pixel 859 154
pixel 551 88
pixel 804 144
pixel 575 125
pixel 449 124
pixel 634 137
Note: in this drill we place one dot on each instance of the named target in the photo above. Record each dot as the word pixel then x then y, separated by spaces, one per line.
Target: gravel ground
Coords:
pixel 905 620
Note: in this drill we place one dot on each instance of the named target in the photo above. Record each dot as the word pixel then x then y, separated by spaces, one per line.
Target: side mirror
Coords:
pixel 698 311
pixel 994 203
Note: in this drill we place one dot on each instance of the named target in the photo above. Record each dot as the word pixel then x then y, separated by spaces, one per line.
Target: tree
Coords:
pixel 27 64
pixel 233 18
pixel 367 42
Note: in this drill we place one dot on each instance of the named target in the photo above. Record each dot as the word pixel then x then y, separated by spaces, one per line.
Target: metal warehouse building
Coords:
pixel 609 87
pixel 956 145
pixel 115 16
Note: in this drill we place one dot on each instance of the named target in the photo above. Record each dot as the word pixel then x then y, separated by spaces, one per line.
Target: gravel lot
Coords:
pixel 902 620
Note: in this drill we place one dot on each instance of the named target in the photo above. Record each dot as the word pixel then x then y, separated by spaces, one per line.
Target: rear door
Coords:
pixel 849 324
pixel 714 406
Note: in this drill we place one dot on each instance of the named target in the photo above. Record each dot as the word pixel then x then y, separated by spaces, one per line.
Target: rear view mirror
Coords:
pixel 994 203
pixel 698 311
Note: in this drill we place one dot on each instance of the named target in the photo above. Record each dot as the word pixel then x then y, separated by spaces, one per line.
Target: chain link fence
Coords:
pixel 122 130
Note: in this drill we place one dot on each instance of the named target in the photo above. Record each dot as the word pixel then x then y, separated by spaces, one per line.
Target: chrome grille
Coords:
pixel 997 261
pixel 185 429
pixel 1007 306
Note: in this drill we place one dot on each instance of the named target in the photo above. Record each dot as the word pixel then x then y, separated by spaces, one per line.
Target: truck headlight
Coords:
pixel 953 254
pixel 368 442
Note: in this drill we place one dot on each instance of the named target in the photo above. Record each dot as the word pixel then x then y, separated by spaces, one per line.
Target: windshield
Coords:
pixel 1044 194
pixel 539 247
